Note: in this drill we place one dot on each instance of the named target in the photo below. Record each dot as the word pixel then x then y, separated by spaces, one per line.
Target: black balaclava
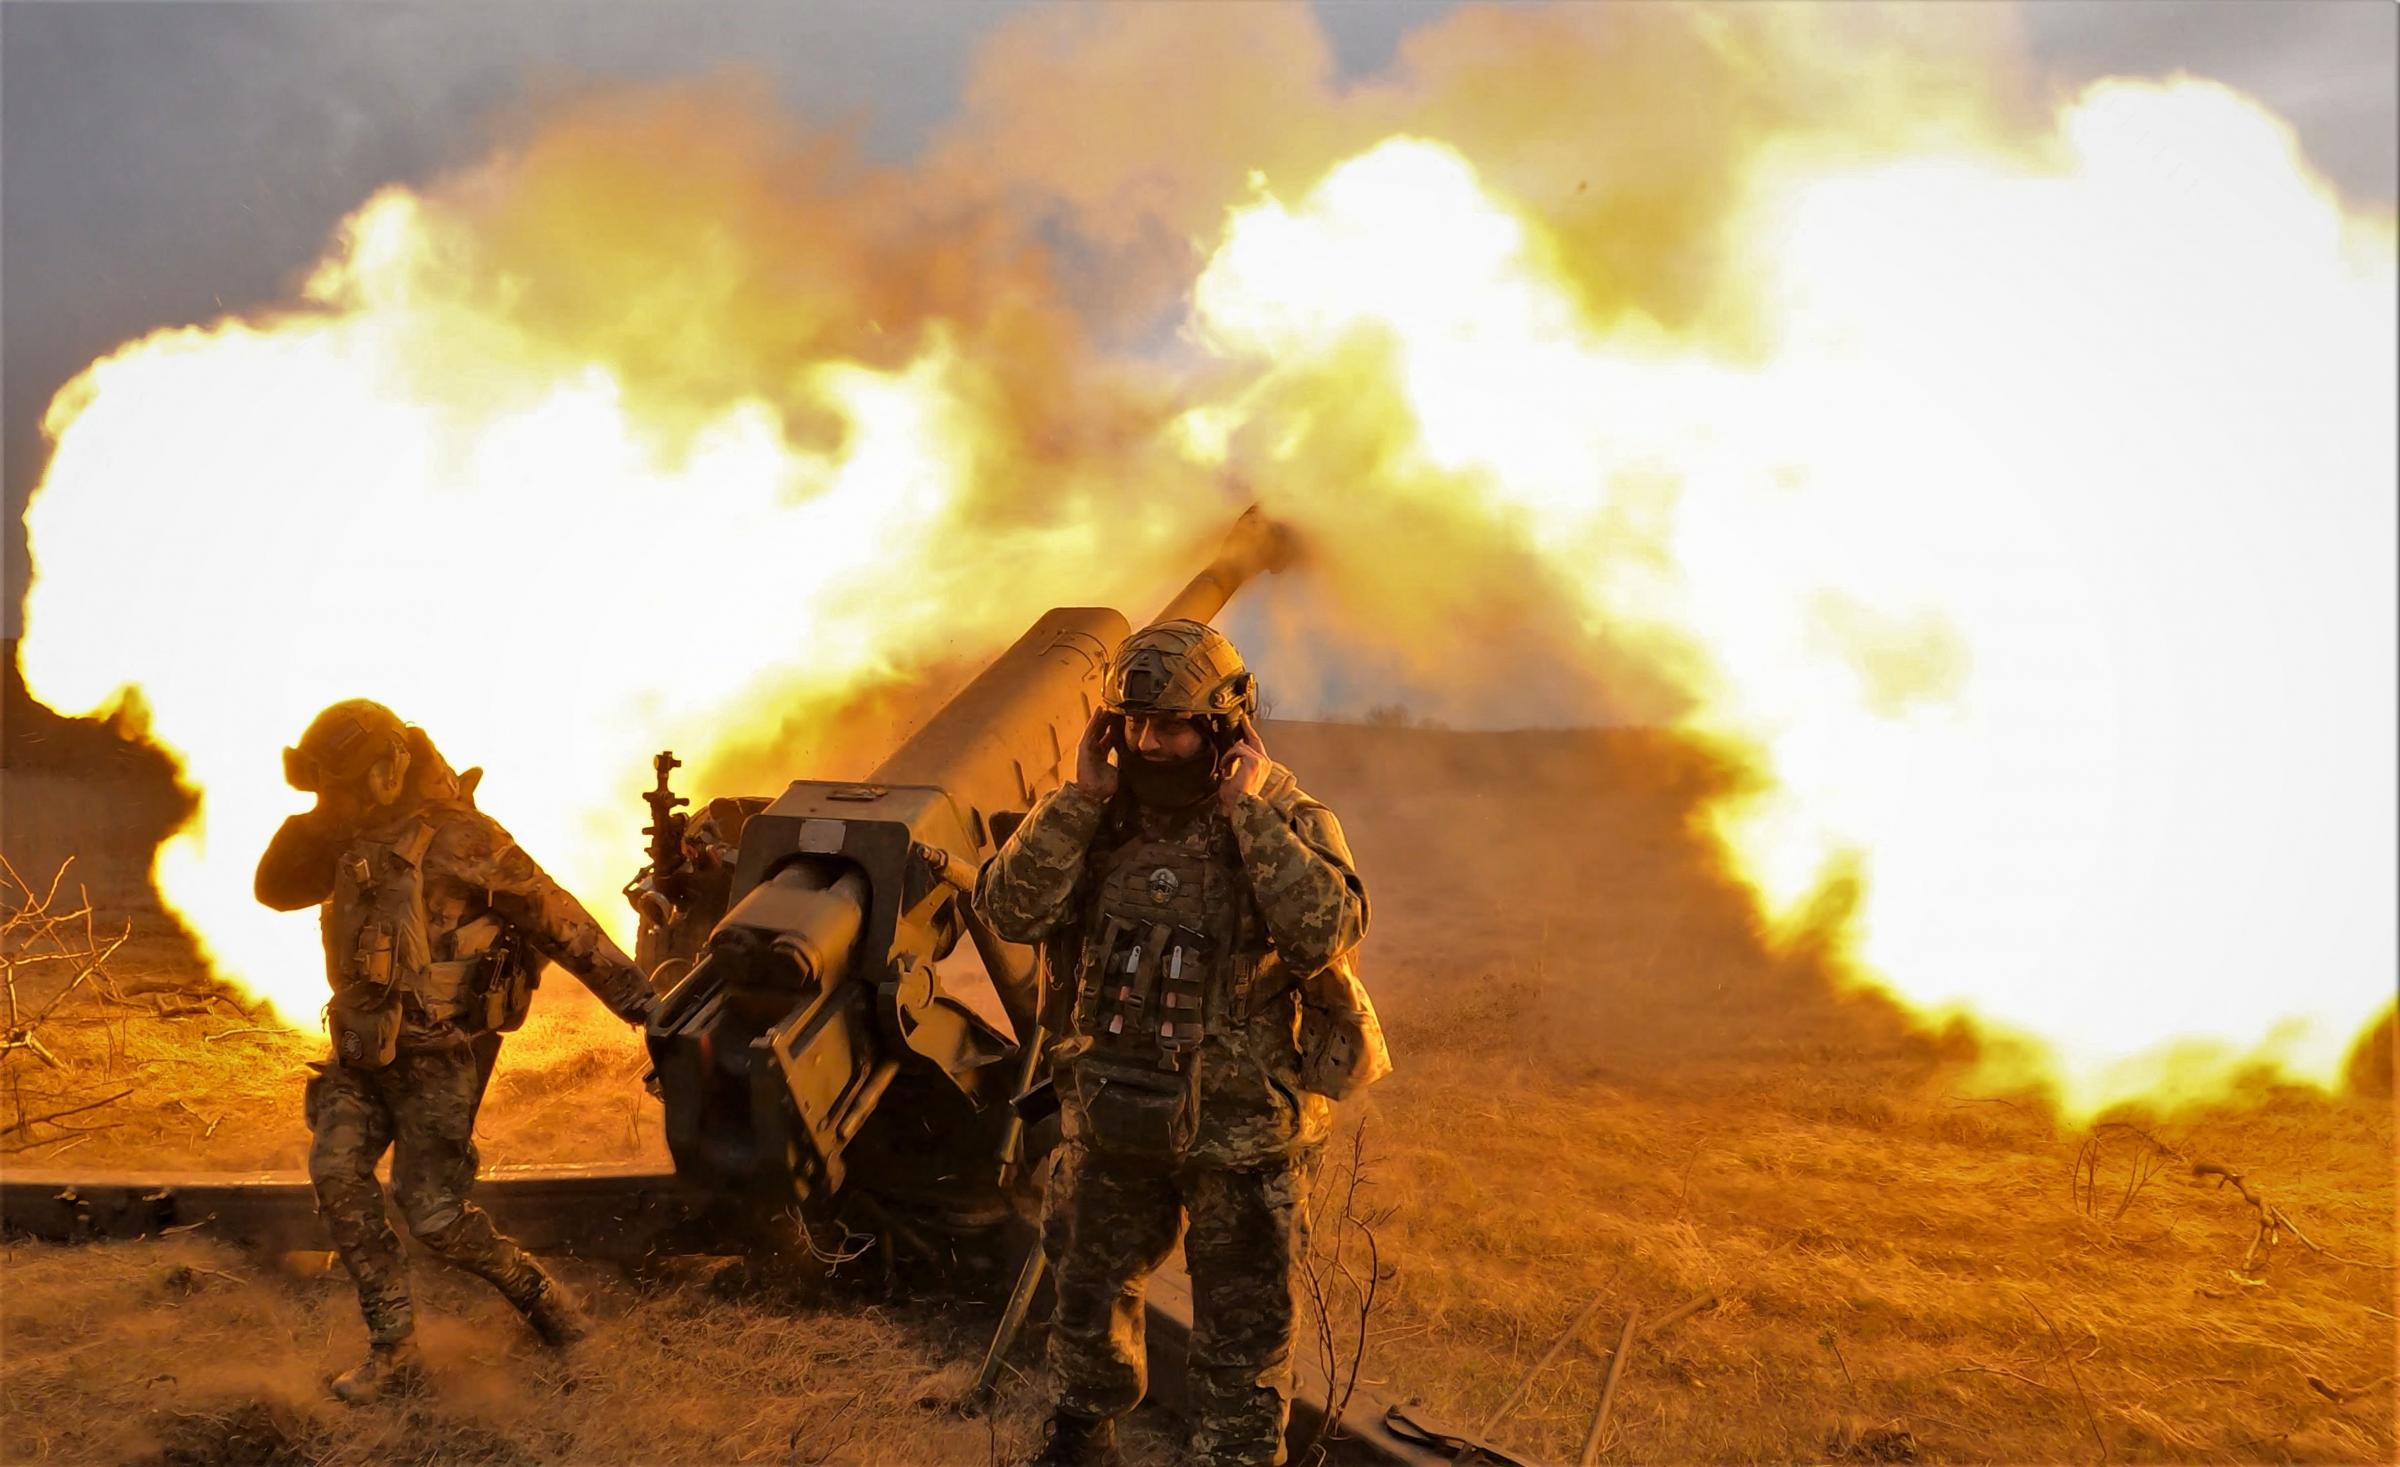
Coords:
pixel 1171 784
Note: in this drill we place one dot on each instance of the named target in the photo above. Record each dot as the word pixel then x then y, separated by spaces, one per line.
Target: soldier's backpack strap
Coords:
pixel 413 846
pixel 376 945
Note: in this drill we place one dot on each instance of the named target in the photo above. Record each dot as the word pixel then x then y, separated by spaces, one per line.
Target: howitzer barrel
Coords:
pixel 1010 735
pixel 1255 545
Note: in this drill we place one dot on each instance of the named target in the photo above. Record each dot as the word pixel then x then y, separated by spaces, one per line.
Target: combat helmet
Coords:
pixel 1183 669
pixel 342 743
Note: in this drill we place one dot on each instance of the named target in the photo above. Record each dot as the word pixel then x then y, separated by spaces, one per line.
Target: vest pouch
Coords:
pixel 487 988
pixel 376 949
pixel 1138 1110
pixel 1342 1050
pixel 371 957
pixel 448 991
pixel 509 977
pixel 1158 950
pixel 365 1025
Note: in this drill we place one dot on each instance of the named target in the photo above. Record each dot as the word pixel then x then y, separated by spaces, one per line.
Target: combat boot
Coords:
pixel 556 1315
pixel 390 1369
pixel 1078 1441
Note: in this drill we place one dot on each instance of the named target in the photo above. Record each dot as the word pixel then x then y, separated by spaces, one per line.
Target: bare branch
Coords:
pixel 1325 1273
pixel 1525 1384
pixel 25 1039
pixel 1706 1299
pixel 28 1122
pixel 1608 1390
pixel 2273 1222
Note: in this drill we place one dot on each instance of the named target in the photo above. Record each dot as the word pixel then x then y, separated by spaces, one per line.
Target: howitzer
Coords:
pixel 831 1041
pixel 825 1037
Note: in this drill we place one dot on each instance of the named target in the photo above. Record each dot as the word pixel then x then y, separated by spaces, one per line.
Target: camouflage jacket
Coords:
pixel 472 869
pixel 1309 903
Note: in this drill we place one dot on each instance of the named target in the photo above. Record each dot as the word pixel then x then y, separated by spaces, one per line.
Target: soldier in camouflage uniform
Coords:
pixel 1181 887
pixel 429 910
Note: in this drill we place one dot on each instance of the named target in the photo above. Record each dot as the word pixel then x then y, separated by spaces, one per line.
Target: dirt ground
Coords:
pixel 1606 1089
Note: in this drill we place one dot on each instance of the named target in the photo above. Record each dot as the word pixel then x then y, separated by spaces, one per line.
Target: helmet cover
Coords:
pixel 1180 669
pixel 342 743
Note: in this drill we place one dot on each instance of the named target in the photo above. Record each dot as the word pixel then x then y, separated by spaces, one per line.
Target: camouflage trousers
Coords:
pixel 421 1107
pixel 1112 1222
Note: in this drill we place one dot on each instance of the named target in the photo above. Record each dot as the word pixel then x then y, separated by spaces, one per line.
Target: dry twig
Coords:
pixel 34 932
pixel 2273 1222
pixel 2147 1162
pixel 1608 1390
pixel 2343 1395
pixel 2091 1418
pixel 27 1122
pixel 1325 1271
pixel 1705 1299
pixel 1574 1327
pixel 1833 1342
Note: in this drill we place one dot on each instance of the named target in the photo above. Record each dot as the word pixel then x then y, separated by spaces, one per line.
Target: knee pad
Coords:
pixel 434 1221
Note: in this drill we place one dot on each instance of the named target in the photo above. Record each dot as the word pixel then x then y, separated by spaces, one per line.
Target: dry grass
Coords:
pixel 1605 1087
pixel 1888 1257
pixel 210 1356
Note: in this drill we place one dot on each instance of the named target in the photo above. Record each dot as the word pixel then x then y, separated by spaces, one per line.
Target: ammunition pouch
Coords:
pixel 1132 1109
pixel 375 943
pixel 504 993
pixel 1342 1050
pixel 488 992
pixel 365 1026
pixel 1144 1001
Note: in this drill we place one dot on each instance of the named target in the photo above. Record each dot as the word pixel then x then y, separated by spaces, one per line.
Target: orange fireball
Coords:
pixel 2015 497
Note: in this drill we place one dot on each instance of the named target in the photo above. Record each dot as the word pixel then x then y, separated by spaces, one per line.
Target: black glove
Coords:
pixel 630 997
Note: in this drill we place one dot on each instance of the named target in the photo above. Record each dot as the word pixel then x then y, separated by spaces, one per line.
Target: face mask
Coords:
pixel 1170 785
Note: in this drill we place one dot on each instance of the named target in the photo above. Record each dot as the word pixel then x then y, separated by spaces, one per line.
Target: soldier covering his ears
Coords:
pixel 435 927
pixel 1187 896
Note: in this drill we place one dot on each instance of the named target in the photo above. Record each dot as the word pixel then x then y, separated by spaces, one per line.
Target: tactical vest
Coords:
pixel 379 955
pixel 1170 949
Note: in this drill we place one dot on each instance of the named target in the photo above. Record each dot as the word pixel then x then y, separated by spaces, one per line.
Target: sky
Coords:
pixel 163 164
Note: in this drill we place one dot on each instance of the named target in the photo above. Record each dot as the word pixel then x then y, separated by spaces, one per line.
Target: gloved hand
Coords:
pixel 631 998
pixel 338 810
